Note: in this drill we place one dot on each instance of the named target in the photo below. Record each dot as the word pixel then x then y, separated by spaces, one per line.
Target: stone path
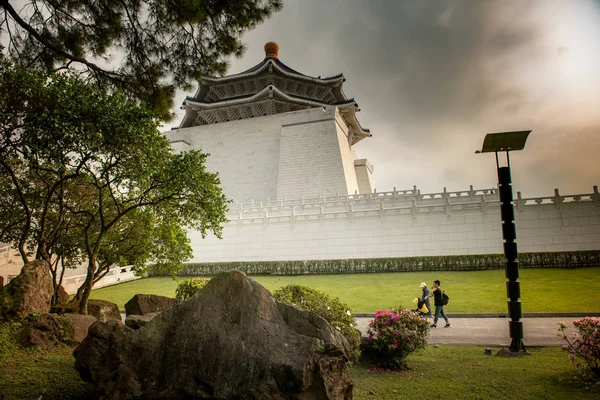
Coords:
pixel 492 331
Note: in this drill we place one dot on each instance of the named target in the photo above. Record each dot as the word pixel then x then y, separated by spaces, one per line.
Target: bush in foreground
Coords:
pixel 190 287
pixel 585 345
pixel 331 309
pixel 394 334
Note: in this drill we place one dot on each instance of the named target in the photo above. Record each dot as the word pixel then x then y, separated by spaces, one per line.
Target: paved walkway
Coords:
pixel 485 331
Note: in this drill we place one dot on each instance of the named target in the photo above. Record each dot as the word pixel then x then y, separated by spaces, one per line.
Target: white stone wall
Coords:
pixel 399 225
pixel 310 161
pixel 347 155
pixel 364 176
pixel 277 156
pixel 245 153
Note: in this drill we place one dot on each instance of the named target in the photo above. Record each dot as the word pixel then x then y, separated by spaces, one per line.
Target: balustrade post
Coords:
pixel 446 198
pixel 557 198
pixel 520 202
pixel 483 205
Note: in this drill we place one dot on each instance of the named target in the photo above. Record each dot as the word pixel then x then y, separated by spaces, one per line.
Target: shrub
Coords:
pixel 394 334
pixel 190 287
pixel 333 310
pixel 585 344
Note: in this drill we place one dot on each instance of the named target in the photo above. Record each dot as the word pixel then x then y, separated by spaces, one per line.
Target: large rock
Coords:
pixel 50 329
pixel 30 292
pixel 142 304
pixel 231 340
pixel 104 310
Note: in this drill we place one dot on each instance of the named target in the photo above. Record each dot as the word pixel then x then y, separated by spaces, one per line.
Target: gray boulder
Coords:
pixel 142 304
pixel 104 310
pixel 30 292
pixel 231 340
pixel 137 321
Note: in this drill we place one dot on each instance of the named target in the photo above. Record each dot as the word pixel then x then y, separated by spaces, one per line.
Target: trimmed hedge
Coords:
pixel 475 262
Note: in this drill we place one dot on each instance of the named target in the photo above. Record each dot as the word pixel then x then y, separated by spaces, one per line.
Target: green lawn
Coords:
pixel 543 290
pixel 465 372
pixel 37 374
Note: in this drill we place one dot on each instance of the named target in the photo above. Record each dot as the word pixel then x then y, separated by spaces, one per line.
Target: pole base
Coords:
pixel 517 345
pixel 517 348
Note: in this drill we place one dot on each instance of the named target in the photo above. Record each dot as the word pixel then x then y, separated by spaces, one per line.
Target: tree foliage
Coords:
pixel 87 173
pixel 164 45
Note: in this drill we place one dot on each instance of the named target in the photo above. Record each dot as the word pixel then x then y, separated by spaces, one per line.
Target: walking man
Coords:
pixel 439 305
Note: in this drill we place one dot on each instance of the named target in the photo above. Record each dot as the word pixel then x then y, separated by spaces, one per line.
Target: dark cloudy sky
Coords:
pixel 433 77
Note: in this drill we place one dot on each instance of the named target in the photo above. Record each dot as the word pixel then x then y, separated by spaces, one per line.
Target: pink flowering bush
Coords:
pixel 394 334
pixel 585 344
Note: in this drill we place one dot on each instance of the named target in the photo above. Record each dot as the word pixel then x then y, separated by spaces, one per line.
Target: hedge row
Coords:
pixel 573 259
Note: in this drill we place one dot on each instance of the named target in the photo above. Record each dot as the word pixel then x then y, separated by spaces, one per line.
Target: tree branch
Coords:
pixel 95 68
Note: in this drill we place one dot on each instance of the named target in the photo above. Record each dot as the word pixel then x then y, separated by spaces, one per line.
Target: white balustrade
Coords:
pixel 390 203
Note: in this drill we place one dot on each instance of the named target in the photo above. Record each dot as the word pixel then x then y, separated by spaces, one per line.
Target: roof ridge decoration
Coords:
pixel 268 80
pixel 271 63
pixel 269 90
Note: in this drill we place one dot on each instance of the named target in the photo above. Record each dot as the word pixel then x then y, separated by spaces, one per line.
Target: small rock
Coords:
pixel 62 295
pixel 104 310
pixel 78 326
pixel 49 329
pixel 135 322
pixel 142 304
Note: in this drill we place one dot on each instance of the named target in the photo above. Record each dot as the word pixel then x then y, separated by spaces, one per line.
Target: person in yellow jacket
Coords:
pixel 425 298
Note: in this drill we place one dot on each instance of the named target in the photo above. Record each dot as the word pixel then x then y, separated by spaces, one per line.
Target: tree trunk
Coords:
pixel 87 286
pixel 53 270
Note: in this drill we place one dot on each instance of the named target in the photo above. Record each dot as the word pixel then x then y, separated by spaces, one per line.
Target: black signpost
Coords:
pixel 499 142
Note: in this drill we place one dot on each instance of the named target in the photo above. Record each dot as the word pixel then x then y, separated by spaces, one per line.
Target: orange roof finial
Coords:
pixel 271 50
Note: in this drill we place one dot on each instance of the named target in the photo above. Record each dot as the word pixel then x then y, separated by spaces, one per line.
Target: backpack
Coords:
pixel 445 298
